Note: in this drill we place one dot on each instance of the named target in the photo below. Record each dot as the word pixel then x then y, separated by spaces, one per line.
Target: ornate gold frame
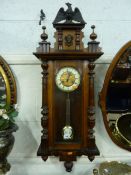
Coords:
pixel 113 168
pixel 10 83
pixel 118 135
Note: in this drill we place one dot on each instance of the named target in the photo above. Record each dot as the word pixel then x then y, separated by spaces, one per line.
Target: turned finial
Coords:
pixel 44 46
pixel 93 35
pixel 93 45
pixel 44 36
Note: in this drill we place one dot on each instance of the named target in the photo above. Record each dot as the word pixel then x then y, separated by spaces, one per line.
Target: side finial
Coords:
pixel 93 35
pixel 93 45
pixel 44 36
pixel 44 46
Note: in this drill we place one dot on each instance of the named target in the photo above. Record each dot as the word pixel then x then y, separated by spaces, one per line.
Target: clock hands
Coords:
pixel 68 76
pixel 68 79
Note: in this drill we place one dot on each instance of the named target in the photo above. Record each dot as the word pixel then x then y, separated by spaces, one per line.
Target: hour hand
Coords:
pixel 68 77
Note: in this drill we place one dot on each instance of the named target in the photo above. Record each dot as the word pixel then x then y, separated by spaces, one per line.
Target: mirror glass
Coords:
pixel 115 98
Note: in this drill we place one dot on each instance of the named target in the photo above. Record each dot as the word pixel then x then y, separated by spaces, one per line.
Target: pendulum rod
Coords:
pixel 68 110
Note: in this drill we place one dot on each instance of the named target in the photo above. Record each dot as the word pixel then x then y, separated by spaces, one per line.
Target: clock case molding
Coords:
pixel 68 51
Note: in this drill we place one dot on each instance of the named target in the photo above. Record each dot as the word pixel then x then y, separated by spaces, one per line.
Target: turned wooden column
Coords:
pixel 91 108
pixel 93 47
pixel 44 112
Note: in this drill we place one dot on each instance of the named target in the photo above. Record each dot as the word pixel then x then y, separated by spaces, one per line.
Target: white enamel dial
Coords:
pixel 68 79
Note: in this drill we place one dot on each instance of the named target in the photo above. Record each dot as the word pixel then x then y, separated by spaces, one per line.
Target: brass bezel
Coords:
pixel 68 90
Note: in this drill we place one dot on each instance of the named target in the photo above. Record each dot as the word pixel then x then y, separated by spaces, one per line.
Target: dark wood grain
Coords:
pixel 69 51
pixel 77 55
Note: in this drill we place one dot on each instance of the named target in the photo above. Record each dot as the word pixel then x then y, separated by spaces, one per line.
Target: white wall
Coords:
pixel 19 37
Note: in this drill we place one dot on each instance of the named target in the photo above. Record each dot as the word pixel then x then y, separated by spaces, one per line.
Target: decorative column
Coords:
pixel 92 48
pixel 44 112
pixel 44 47
pixel 91 108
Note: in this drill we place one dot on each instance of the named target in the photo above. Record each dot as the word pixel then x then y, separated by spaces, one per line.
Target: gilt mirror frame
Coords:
pixel 9 81
pixel 103 94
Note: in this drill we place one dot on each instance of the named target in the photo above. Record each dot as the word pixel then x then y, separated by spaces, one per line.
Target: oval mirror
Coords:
pixel 7 85
pixel 115 98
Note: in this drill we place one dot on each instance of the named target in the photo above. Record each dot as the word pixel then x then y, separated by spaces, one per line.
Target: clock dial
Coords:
pixel 68 79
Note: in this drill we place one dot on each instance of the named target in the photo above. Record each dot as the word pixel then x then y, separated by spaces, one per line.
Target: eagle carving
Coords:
pixel 69 16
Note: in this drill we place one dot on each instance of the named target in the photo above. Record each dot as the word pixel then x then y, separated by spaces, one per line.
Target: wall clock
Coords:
pixel 68 90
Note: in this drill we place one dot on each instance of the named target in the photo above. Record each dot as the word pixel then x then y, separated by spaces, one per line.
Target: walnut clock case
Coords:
pixel 68 90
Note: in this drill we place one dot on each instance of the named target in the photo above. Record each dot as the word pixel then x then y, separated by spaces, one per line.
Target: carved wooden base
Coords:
pixel 68 166
pixel 68 159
